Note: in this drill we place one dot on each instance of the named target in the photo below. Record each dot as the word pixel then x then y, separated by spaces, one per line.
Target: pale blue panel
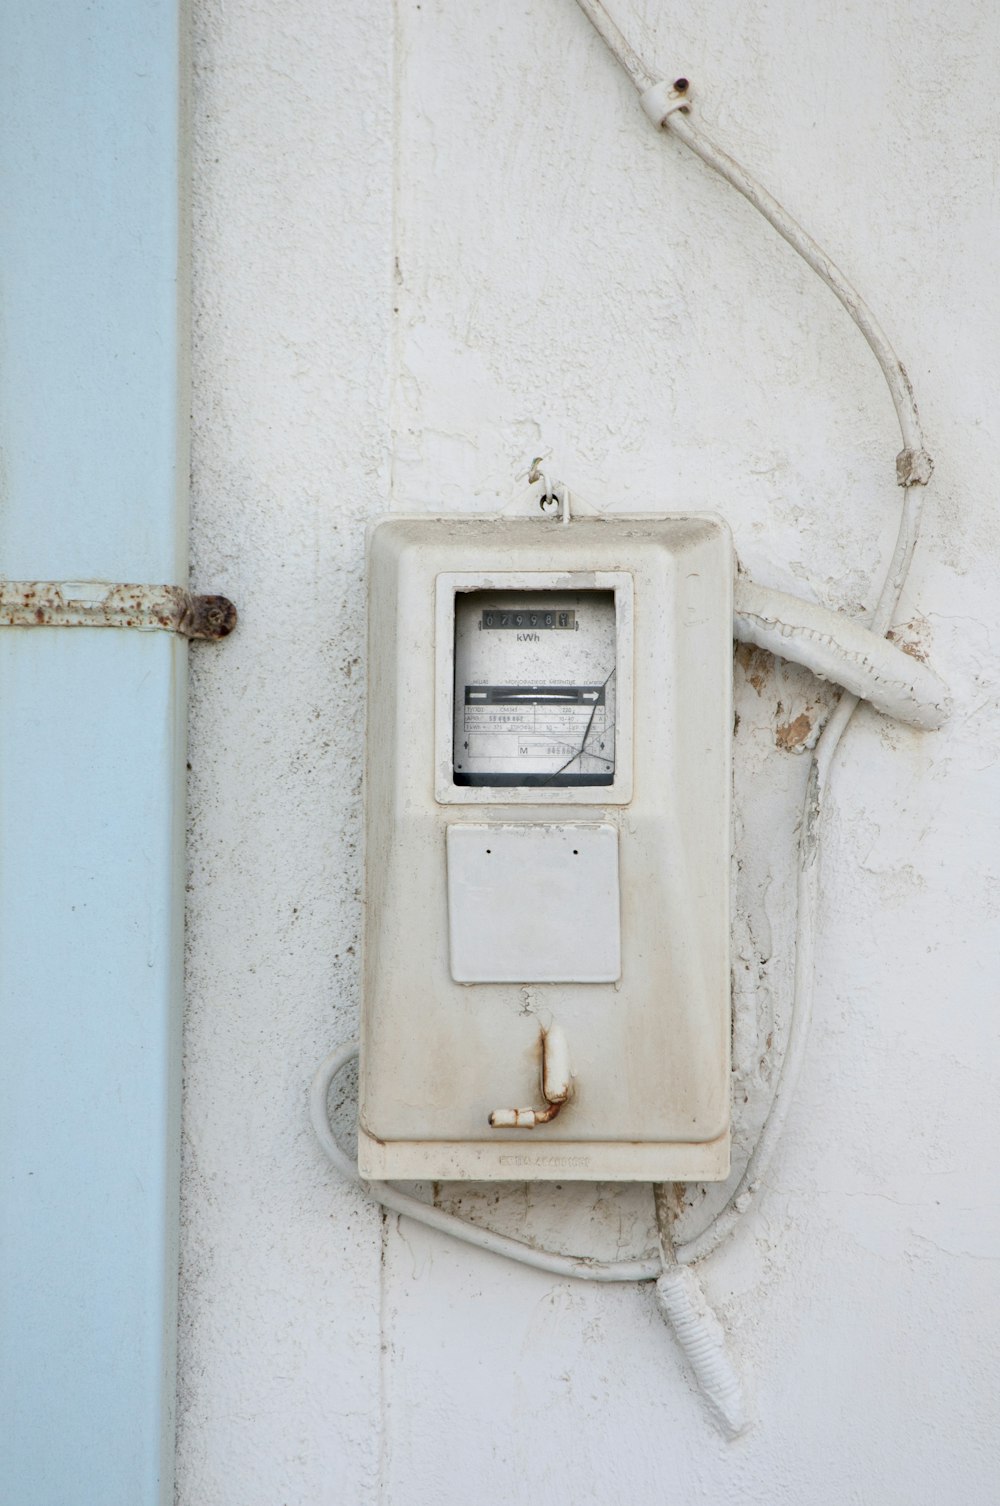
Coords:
pixel 91 755
pixel 88 284
pixel 91 891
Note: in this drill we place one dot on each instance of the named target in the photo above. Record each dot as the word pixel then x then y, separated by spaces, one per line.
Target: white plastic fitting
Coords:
pixel 663 99
pixel 700 1335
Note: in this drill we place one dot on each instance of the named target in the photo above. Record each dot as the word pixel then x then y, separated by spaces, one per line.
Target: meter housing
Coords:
pixel 547 848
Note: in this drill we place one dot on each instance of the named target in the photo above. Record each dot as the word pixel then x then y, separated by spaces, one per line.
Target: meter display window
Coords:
pixel 535 691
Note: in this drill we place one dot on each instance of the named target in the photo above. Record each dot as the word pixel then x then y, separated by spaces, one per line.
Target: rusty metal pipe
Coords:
pixel 557 1085
pixel 61 603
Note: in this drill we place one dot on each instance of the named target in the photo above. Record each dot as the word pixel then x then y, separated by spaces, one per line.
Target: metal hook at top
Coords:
pixel 553 494
pixel 548 498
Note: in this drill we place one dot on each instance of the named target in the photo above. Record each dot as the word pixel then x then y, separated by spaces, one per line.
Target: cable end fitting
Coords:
pixel 913 468
pixel 699 1333
pixel 662 99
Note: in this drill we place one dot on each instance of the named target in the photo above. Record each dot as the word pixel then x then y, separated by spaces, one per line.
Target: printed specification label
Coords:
pixel 535 722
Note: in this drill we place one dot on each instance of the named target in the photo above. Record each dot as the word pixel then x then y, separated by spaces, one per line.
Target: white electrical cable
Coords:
pixel 913 470
pixel 581 1267
pixel 916 467
pixel 914 464
pixel 618 44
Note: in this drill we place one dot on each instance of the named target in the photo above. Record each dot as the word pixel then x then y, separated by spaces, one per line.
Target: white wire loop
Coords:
pixel 581 1267
pixel 679 1297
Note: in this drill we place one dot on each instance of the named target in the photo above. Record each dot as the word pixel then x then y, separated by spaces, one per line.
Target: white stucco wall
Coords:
pixel 431 241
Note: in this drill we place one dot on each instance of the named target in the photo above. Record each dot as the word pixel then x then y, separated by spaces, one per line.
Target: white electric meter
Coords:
pixel 534 688
pixel 546 941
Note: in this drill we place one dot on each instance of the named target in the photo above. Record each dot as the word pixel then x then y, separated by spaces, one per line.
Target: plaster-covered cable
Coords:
pixel 807 896
pixel 807 905
pixel 580 1267
pixel 837 648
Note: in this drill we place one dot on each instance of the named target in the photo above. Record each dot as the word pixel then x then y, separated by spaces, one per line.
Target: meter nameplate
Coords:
pixel 530 724
pixel 534 904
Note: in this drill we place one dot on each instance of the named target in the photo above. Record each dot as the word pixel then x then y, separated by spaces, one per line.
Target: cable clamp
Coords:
pixel 662 99
pixel 913 468
pixel 96 603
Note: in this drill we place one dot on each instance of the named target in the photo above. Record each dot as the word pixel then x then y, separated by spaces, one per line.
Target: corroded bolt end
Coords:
pixel 211 617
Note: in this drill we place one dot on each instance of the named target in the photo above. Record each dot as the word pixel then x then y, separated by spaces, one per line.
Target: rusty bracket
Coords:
pixel 91 603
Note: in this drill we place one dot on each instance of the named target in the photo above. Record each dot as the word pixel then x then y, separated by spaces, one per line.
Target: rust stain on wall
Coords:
pixel 755 663
pixel 792 736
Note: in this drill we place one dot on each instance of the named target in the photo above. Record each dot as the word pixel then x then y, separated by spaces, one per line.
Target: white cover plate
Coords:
pixel 534 903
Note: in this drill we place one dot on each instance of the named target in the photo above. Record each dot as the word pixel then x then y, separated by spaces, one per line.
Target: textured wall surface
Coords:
pixel 431 241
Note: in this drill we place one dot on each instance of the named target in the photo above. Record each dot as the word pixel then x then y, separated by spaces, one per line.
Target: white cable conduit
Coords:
pixel 838 649
pixel 700 1335
pixel 796 630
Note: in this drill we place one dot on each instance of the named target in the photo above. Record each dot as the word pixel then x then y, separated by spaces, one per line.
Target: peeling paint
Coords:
pixel 794 736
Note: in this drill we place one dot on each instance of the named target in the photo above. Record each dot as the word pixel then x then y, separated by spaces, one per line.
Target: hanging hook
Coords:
pixel 553 494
